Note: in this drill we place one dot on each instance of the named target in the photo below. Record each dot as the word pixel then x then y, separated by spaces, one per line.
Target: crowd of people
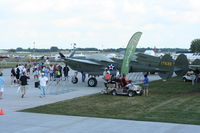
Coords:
pixel 55 72
pixel 41 73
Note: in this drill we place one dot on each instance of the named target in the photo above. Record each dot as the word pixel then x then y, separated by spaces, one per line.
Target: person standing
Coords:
pixel 1 85
pixel 59 68
pixel 35 73
pixel 117 79
pixel 13 76
pixel 54 71
pixel 24 83
pixel 43 83
pixel 51 72
pixel 83 76
pixel 46 71
pixel 107 79
pixel 146 85
pixel 28 69
pixel 58 75
pixel 66 71
pixel 17 73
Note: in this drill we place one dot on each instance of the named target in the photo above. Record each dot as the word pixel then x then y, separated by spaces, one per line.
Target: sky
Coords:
pixel 98 23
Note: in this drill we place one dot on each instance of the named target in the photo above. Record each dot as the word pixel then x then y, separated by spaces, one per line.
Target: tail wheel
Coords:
pixel 74 80
pixel 92 82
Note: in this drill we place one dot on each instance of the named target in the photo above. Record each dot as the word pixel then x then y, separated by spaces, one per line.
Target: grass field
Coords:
pixel 169 101
pixel 8 64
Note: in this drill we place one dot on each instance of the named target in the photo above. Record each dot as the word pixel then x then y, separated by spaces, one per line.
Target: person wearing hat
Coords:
pixel 1 85
pixel 24 83
pixel 43 83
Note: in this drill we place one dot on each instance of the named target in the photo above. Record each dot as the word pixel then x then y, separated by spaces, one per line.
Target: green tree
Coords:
pixel 195 46
pixel 54 49
pixel 19 49
pixel 12 50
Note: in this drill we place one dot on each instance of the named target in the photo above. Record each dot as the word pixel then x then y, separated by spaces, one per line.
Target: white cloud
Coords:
pixel 194 4
pixel 155 27
pixel 67 22
pixel 134 7
pixel 101 21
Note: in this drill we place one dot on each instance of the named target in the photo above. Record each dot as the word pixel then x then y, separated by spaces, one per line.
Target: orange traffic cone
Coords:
pixel 1 112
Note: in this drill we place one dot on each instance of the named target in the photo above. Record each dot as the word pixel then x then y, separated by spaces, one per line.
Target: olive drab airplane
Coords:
pixel 94 65
pixel 165 66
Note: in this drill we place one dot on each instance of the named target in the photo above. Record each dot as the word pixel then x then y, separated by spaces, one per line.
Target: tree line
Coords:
pixel 194 47
pixel 118 50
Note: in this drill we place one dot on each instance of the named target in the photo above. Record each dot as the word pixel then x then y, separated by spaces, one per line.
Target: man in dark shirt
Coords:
pixel 66 70
pixel 17 74
pixel 13 74
pixel 23 80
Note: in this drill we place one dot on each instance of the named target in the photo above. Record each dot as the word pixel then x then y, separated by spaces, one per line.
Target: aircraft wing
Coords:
pixel 83 61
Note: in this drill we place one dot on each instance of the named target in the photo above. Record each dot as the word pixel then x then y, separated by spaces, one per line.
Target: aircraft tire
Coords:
pixel 184 79
pixel 131 93
pixel 140 94
pixel 114 93
pixel 74 80
pixel 92 82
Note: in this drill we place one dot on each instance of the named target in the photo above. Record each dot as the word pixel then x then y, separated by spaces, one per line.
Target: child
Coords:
pixel 146 85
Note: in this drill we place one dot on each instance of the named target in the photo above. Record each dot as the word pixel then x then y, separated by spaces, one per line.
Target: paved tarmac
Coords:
pixel 20 122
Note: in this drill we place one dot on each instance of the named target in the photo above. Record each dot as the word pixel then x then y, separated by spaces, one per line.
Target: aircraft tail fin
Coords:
pixel 130 50
pixel 195 66
pixel 62 55
pixel 72 54
pixel 166 67
pixel 181 65
pixel 73 51
pixel 196 62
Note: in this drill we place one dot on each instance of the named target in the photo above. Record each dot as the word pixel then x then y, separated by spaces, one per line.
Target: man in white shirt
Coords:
pixel 43 84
